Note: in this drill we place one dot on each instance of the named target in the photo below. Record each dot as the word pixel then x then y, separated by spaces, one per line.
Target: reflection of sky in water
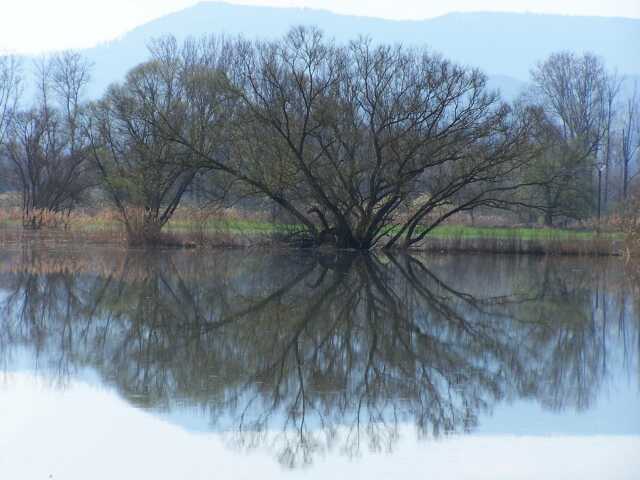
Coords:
pixel 47 431
pixel 615 411
pixel 70 409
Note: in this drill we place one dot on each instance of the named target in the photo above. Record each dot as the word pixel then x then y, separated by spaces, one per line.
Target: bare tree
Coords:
pixel 612 90
pixel 145 173
pixel 630 138
pixel 10 89
pixel 560 178
pixel 573 92
pixel 45 148
pixel 365 144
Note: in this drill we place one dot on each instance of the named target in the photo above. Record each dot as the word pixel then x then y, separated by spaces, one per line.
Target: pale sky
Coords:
pixel 29 26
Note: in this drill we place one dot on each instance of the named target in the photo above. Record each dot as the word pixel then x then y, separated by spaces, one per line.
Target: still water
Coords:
pixel 191 365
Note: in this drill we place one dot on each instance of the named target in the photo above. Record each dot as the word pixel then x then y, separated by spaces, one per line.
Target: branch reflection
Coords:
pixel 305 353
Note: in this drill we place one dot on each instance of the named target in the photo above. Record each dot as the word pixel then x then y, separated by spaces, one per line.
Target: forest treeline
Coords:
pixel 361 145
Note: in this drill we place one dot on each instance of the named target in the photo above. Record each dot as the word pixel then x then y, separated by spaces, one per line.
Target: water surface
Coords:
pixel 267 365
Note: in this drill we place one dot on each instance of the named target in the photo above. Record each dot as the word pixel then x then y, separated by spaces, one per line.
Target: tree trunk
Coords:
pixel 147 234
pixel 151 231
pixel 625 178
pixel 344 239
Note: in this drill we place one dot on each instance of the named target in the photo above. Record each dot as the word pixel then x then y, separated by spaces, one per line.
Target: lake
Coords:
pixel 243 364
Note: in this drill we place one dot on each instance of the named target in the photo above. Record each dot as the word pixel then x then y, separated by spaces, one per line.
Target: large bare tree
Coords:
pixel 364 145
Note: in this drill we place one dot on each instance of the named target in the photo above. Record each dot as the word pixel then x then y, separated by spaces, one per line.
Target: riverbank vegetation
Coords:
pixel 231 228
pixel 301 141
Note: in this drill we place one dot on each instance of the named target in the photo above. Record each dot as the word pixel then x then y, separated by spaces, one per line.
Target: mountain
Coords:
pixel 505 45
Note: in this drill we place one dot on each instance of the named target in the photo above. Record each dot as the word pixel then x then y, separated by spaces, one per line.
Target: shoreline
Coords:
pixel 563 244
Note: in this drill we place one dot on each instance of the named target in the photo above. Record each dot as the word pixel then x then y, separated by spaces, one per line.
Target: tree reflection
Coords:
pixel 303 353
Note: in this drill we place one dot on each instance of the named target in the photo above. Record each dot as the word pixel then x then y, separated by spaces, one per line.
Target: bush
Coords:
pixel 631 226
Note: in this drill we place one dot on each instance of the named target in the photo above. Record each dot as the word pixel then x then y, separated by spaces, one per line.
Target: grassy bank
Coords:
pixel 229 228
pixel 520 240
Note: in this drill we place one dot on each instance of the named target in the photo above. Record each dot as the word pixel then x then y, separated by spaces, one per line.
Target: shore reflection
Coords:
pixel 311 353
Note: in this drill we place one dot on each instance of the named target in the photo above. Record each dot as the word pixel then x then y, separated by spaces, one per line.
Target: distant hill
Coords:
pixel 505 45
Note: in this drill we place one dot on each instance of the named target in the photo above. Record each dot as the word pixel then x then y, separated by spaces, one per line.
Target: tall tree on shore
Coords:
pixel 10 89
pixel 362 144
pixel 612 91
pixel 572 91
pixel 630 138
pixel 45 146
pixel 145 173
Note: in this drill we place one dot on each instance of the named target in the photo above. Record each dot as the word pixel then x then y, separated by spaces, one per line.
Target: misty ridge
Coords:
pixel 503 45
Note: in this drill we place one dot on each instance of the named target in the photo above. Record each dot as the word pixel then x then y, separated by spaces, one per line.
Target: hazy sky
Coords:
pixel 39 25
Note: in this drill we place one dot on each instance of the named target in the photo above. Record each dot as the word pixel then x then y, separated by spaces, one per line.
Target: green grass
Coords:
pixel 462 231
pixel 233 226
pixel 256 227
pixel 444 231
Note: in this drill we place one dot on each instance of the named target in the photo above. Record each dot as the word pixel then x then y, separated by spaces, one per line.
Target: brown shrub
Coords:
pixel 631 226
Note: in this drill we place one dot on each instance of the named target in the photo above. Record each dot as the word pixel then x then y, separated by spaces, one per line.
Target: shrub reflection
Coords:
pixel 308 352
